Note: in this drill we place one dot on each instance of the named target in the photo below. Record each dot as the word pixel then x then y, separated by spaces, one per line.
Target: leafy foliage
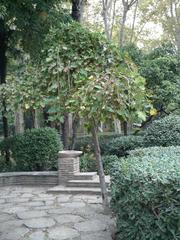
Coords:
pixel 35 150
pixel 160 68
pixel 145 194
pixel 163 132
pixel 122 145
pixel 27 22
pixel 85 144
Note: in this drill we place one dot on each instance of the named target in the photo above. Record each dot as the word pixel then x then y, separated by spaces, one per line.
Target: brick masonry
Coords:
pixel 68 165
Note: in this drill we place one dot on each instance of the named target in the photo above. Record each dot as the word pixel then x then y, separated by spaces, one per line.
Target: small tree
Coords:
pixel 119 92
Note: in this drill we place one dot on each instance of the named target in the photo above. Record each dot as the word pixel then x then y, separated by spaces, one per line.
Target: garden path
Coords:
pixel 29 213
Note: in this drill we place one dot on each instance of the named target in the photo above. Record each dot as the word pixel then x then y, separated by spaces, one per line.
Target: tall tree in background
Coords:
pixel 70 123
pixel 23 24
pixel 3 65
pixel 108 13
pixel 126 7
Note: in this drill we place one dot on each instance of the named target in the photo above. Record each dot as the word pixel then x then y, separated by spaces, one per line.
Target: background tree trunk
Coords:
pixel 122 24
pixel 77 10
pixel 134 20
pixel 117 126
pixel 19 121
pixel 75 126
pixel 100 165
pixel 36 119
pixel 65 131
pixel 3 65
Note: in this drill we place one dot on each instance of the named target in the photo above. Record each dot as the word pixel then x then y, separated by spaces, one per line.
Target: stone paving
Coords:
pixel 29 213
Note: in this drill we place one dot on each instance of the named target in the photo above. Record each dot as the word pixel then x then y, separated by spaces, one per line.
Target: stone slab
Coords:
pixel 64 233
pixel 39 223
pixel 90 226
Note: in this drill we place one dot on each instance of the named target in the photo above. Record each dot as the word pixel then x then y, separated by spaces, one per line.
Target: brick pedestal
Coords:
pixel 68 165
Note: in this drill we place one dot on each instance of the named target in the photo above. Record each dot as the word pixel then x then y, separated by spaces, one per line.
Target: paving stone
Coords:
pixel 33 204
pixel 10 225
pixel 14 234
pixel 97 236
pixel 73 205
pixel 64 233
pixel 14 209
pixel 5 217
pixel 63 198
pixel 2 201
pixel 49 202
pixel 31 214
pixel 68 218
pixel 27 195
pixel 39 223
pixel 63 210
pixel 86 212
pixel 39 235
pixel 17 200
pixel 90 226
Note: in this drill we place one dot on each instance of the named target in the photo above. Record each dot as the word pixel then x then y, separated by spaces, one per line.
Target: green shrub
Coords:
pixel 120 146
pixel 145 194
pixel 164 132
pixel 34 150
pixel 108 161
pixel 85 144
pixel 88 163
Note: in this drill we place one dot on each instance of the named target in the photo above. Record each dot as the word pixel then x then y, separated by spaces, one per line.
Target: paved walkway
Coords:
pixel 29 213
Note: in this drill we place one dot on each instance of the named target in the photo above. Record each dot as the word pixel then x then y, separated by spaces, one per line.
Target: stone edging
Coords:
pixel 28 178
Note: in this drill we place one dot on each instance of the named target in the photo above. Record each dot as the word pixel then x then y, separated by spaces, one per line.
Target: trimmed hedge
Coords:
pixel 34 150
pixel 145 194
pixel 122 145
pixel 163 132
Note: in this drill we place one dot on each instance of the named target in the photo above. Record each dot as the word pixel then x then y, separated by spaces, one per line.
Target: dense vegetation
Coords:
pixel 71 70
pixel 145 194
pixel 34 150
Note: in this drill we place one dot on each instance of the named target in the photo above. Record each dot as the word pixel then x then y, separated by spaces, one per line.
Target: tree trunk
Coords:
pixel 105 19
pixel 122 26
pixel 3 65
pixel 134 20
pixel 74 131
pixel 125 128
pixel 117 126
pixel 100 165
pixel 36 119
pixel 77 10
pixel 177 37
pixel 65 131
pixel 19 121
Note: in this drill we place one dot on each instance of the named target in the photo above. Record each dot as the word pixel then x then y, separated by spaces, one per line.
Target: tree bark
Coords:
pixel 3 65
pixel 177 37
pixel 74 131
pixel 122 25
pixel 106 20
pixel 125 128
pixel 36 119
pixel 77 10
pixel 65 131
pixel 134 20
pixel 117 126
pixel 19 121
pixel 100 165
